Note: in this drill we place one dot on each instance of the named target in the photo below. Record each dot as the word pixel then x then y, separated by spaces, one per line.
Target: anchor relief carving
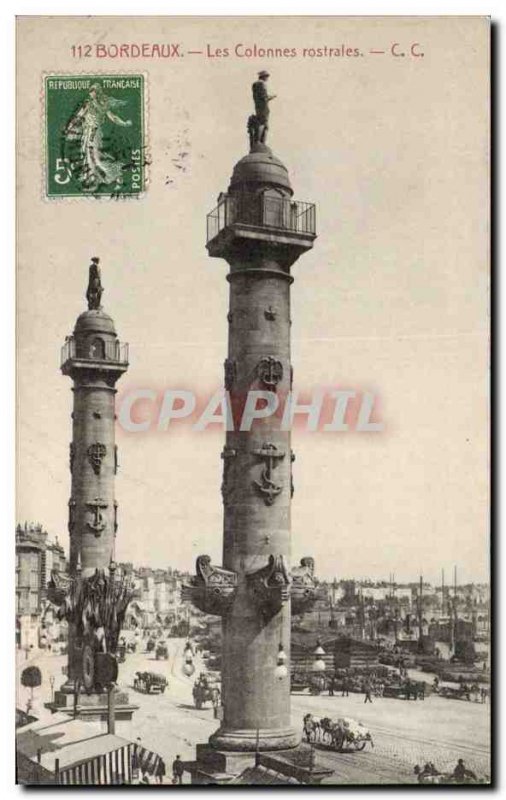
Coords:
pixel 212 589
pixel 266 486
pixel 270 371
pixel 270 586
pixel 98 523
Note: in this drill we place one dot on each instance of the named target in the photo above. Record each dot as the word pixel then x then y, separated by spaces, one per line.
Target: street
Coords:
pixel 404 733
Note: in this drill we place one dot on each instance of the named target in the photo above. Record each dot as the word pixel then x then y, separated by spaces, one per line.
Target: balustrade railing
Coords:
pixel 96 349
pixel 261 210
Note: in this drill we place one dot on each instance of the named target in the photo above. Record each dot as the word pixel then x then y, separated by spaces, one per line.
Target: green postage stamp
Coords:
pixel 95 135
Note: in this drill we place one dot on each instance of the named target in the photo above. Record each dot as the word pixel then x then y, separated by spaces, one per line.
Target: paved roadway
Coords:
pixel 404 733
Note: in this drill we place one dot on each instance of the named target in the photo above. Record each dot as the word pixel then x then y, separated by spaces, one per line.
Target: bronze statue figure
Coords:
pixel 258 123
pixel 95 289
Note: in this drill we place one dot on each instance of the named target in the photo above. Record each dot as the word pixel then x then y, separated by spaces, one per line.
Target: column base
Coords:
pixel 68 687
pixel 222 767
pixel 251 741
pixel 94 708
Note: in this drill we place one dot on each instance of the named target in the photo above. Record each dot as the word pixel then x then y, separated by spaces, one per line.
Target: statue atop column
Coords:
pixel 95 289
pixel 258 123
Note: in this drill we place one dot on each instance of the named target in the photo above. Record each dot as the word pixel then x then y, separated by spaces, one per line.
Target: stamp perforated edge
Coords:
pixel 43 139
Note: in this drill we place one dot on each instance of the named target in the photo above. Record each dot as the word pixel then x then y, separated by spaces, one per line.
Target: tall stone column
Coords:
pixel 260 231
pixel 94 359
pixel 257 471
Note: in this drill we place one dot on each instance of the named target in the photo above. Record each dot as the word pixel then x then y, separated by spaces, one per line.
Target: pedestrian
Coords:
pixel 215 697
pixel 367 690
pixel 136 761
pixel 160 770
pixel 331 687
pixel 177 770
pixel 346 687
pixel 461 774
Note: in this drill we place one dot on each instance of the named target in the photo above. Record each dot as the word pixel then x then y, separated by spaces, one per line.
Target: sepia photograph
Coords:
pixel 252 536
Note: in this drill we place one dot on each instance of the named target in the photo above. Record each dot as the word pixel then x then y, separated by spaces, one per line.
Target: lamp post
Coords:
pixel 318 663
pixel 51 683
pixel 188 666
pixel 281 670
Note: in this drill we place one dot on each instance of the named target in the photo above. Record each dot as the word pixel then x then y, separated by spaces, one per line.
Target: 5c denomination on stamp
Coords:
pixel 95 135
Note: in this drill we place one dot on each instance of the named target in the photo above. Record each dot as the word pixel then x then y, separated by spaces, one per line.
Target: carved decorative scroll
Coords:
pixel 270 586
pixel 304 591
pixel 230 368
pixel 226 489
pixel 72 521
pixel 212 589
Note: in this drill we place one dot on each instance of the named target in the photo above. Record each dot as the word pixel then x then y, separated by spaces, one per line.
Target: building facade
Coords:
pixel 36 558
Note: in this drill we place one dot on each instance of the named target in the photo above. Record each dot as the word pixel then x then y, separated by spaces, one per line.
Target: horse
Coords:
pixel 311 728
pixel 331 730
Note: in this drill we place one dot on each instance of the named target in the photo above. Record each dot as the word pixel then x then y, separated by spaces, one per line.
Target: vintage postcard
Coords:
pixel 253 315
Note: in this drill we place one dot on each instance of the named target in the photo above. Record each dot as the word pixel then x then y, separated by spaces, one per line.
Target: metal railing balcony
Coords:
pixel 95 350
pixel 261 210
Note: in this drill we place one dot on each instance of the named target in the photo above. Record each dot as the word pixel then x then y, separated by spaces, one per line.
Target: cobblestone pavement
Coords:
pixel 405 733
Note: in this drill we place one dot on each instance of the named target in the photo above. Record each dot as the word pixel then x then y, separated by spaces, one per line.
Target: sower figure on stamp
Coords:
pixel 258 124
pixel 94 164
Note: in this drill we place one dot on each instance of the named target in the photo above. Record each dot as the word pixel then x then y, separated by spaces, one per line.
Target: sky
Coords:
pixel 393 299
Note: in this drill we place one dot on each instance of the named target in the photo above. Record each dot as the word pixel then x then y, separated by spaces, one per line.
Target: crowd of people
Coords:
pixel 373 685
pixel 472 692
pixel 430 774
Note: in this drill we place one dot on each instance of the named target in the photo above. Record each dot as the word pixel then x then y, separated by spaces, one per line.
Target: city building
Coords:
pixel 157 597
pixel 36 557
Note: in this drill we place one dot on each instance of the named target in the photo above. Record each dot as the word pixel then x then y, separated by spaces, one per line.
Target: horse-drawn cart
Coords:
pixel 407 690
pixel 341 734
pixel 150 682
pixel 205 689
